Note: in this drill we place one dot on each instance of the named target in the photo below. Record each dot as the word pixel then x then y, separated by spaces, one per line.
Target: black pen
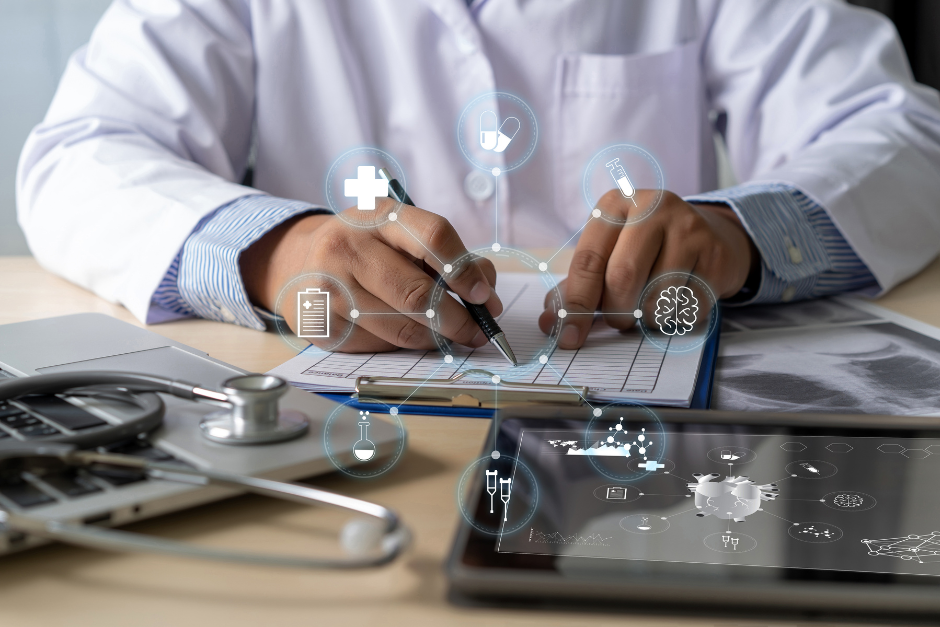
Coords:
pixel 480 314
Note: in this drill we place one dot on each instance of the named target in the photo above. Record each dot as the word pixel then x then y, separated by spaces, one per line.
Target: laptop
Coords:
pixel 111 497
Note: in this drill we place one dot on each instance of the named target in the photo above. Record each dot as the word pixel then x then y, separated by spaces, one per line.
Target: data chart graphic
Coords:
pixel 920 548
pixel 594 539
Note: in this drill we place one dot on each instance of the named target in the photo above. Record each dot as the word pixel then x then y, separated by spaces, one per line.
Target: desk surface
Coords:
pixel 58 585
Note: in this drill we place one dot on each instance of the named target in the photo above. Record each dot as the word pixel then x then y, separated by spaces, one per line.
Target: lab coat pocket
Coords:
pixel 654 101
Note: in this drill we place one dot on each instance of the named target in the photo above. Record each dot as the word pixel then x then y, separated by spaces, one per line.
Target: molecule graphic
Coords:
pixel 924 548
pixel 848 500
pixel 816 533
pixel 616 438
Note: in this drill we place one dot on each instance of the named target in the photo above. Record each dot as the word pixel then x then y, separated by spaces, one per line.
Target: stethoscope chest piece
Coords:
pixel 254 417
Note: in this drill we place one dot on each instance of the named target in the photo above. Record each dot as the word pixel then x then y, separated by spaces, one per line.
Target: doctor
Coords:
pixel 130 186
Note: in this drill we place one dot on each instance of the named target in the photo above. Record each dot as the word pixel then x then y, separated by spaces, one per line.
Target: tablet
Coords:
pixel 645 507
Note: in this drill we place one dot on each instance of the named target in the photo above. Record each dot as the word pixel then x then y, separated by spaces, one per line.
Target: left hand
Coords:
pixel 613 263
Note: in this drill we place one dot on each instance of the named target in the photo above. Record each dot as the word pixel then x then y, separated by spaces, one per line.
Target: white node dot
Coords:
pixel 543 359
pixel 792 475
pixel 641 438
pixel 448 268
pixel 496 248
pixel 496 378
pixel 610 438
pixel 543 266
pixel 429 313
pixel 562 313
pixel 619 427
pixel 597 411
pixel 638 313
pixel 354 314
pixel 495 171
pixel 393 216
pixel 596 213
pixel 642 451
pixel 393 411
pixel 448 359
pixel 495 454
pixel 663 517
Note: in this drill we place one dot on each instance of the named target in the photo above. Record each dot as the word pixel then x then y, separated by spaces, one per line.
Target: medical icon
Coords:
pixel 313 313
pixel 505 488
pixel 651 464
pixel 734 497
pixel 730 542
pixel 676 310
pixel 495 139
pixel 620 178
pixel 365 188
pixel 647 524
pixel 811 469
pixel 364 449
pixel 730 456
pixel 616 493
pixel 849 501
pixel 491 485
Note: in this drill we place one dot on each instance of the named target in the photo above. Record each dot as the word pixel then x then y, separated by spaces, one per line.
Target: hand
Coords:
pixel 612 263
pixel 382 267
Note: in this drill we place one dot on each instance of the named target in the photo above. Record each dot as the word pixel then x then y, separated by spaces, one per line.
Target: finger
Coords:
pixel 389 277
pixel 585 284
pixel 433 239
pixel 361 341
pixel 628 271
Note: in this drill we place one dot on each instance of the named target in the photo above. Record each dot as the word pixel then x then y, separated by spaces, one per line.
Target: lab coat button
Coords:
pixel 479 186
pixel 226 315
pixel 788 294
pixel 795 255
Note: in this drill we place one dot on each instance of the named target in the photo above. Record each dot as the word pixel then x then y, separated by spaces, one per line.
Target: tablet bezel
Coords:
pixel 477 571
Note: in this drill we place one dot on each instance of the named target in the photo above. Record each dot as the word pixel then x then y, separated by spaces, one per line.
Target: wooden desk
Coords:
pixel 62 585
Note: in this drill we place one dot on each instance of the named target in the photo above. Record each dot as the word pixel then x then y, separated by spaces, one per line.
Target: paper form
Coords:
pixel 613 365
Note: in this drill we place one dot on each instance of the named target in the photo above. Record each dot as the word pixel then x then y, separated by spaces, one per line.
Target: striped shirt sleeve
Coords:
pixel 204 279
pixel 803 254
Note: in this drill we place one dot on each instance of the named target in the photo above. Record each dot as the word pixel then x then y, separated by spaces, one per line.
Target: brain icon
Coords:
pixel 676 310
pixel 735 497
pixel 848 500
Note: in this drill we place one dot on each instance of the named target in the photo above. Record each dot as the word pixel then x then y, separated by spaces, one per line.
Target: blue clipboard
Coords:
pixel 701 396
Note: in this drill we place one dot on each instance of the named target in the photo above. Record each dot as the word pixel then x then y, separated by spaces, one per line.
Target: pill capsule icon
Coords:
pixel 488 132
pixel 507 130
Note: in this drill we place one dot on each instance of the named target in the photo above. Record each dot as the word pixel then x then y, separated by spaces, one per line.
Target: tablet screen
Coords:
pixel 751 501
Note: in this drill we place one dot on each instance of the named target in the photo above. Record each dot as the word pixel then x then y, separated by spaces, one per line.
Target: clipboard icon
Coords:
pixel 462 390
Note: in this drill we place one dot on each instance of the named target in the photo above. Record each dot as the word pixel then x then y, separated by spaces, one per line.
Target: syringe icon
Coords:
pixel 620 178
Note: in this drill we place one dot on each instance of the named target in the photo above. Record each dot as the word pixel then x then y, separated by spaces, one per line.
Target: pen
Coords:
pixel 480 314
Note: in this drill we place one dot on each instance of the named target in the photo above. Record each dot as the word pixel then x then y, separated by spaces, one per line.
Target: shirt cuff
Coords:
pixel 803 254
pixel 205 279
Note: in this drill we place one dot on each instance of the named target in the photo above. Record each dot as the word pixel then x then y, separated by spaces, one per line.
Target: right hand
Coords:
pixel 382 267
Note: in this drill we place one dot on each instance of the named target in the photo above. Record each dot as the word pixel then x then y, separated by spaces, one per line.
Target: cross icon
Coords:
pixel 366 188
pixel 651 465
pixel 307 304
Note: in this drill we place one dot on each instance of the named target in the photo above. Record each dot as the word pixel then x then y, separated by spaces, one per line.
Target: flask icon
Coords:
pixel 620 178
pixel 364 449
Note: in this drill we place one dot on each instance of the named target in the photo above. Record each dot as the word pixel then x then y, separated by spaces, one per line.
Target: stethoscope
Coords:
pixel 251 416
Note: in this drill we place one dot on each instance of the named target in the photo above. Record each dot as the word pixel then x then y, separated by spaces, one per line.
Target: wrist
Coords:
pixel 276 257
pixel 747 256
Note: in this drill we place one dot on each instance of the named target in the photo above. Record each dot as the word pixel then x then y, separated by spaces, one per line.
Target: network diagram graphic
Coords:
pixel 920 548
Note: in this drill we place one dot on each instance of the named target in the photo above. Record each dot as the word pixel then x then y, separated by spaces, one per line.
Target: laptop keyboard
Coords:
pixel 37 417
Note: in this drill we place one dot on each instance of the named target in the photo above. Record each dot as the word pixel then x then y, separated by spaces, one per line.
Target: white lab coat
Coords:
pixel 151 127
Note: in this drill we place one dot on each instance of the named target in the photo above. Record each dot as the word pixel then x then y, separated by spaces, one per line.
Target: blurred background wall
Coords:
pixel 37 37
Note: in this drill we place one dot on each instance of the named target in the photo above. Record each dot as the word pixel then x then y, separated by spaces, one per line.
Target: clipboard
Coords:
pixel 453 397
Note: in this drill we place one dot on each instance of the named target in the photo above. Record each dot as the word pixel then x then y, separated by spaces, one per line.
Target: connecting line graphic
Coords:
pixel 565 381
pixel 569 240
pixel 496 209
pixel 417 387
pixel 775 516
pixel 420 242
pixel 682 512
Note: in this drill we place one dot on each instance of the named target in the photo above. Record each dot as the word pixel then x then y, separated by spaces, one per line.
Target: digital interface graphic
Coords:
pixel 813 502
